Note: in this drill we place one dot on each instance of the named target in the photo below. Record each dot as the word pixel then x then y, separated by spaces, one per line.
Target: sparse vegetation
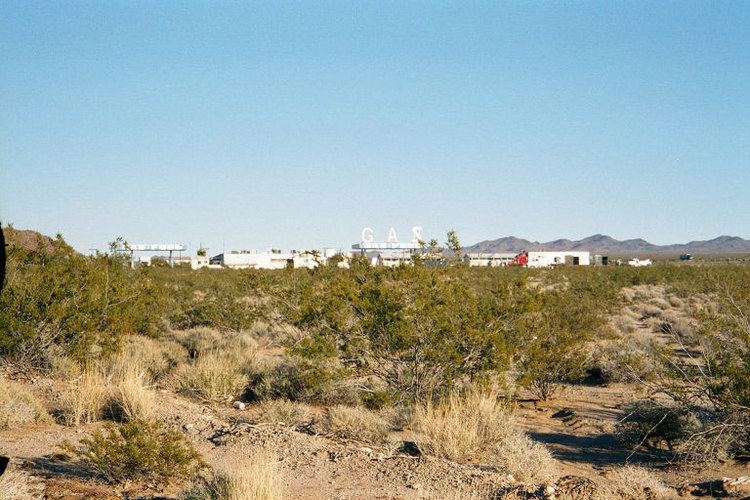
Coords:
pixel 85 397
pixel 214 377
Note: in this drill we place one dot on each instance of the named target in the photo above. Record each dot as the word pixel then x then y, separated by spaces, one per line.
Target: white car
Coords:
pixel 639 262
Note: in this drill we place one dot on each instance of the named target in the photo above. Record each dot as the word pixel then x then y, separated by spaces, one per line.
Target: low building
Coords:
pixel 250 259
pixel 489 259
pixel 550 259
pixel 393 259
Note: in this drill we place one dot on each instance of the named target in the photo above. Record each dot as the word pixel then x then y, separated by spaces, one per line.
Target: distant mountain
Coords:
pixel 601 243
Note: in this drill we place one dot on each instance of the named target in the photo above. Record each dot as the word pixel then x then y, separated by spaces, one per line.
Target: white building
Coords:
pixel 250 259
pixel 276 259
pixel 549 259
pixel 489 259
pixel 639 263
pixel 199 261
pixel 393 259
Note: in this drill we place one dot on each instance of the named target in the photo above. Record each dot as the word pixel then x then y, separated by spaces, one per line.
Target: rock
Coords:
pixel 239 405
pixel 409 448
pixel 415 486
pixel 739 486
pixel 576 488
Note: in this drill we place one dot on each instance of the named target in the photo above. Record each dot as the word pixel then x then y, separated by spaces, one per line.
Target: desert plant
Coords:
pixel 283 411
pixel 18 406
pixel 353 423
pixel 84 398
pixel 138 451
pixel 478 427
pixel 259 480
pixel 634 483
pixel 654 423
pixel 131 396
pixel 213 377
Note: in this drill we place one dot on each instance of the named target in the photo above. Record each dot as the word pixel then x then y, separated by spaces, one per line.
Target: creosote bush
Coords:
pixel 138 451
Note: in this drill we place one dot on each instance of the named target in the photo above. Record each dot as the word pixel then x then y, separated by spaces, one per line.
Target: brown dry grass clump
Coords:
pixel 18 406
pixel 357 424
pixel 634 483
pixel 85 397
pixel 283 411
pixel 213 377
pixel 477 427
pixel 257 481
pixel 131 396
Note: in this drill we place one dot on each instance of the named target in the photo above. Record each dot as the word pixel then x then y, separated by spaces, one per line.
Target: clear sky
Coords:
pixel 250 125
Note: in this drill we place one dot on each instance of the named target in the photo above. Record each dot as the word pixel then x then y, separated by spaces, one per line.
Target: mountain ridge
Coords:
pixel 602 243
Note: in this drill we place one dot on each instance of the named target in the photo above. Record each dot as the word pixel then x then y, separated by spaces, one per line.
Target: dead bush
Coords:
pixel 85 397
pixel 634 483
pixel 214 377
pixel 283 411
pixel 357 424
pixel 478 427
pixel 131 396
pixel 198 341
pixel 18 406
pixel 654 423
pixel 158 357
pixel 258 480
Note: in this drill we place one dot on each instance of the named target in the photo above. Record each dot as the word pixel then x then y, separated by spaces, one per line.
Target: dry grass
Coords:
pixel 158 357
pixel 634 483
pixel 131 397
pixel 84 399
pixel 257 481
pixel 198 341
pixel 283 411
pixel 18 406
pixel 357 424
pixel 213 377
pixel 477 427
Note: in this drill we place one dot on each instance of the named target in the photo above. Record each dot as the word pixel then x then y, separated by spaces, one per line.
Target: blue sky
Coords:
pixel 247 125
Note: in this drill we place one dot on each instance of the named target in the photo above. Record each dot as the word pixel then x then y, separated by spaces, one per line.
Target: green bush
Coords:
pixel 58 297
pixel 141 451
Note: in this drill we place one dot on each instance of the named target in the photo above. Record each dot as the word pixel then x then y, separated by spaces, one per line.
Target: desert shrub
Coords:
pixel 131 396
pixel 198 341
pixel 478 427
pixel 214 377
pixel 84 398
pixel 708 376
pixel 552 339
pixel 634 483
pixel 357 424
pixel 297 378
pixel 157 357
pixel 138 451
pixel 58 297
pixel 283 411
pixel 18 406
pixel 258 480
pixel 650 311
pixel 654 423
